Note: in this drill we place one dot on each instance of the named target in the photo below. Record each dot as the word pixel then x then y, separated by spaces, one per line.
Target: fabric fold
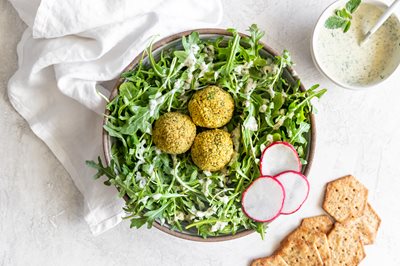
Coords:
pixel 69 48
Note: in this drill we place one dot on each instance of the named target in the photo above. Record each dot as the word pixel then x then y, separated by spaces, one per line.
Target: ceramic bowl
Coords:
pixel 317 58
pixel 174 42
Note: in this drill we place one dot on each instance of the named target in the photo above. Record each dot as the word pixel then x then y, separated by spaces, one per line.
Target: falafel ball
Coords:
pixel 212 150
pixel 174 133
pixel 211 107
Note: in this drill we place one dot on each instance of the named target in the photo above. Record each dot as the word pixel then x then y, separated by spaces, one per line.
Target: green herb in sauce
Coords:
pixel 342 17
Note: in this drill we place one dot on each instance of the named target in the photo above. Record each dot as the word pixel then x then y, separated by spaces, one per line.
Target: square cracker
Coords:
pixel 299 253
pixel 367 225
pixel 345 198
pixel 313 237
pixel 274 260
pixel 321 223
pixel 346 246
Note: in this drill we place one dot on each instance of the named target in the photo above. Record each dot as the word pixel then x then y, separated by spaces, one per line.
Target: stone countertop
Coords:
pixel 41 211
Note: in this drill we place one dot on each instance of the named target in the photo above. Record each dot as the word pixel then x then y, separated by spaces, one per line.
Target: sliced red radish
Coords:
pixel 279 157
pixel 263 200
pixel 296 188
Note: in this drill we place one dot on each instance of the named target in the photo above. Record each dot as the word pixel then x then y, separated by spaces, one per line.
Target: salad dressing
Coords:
pixel 343 58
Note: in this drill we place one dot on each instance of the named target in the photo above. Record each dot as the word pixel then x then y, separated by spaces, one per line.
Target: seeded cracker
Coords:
pixel 311 238
pixel 274 260
pixel 346 246
pixel 345 198
pixel 320 241
pixel 368 225
pixel 299 253
pixel 321 223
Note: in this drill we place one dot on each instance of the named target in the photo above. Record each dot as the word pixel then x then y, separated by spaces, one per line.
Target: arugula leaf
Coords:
pixel 171 189
pixel 138 222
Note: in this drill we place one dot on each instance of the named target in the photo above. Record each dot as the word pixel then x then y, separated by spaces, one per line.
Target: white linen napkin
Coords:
pixel 68 49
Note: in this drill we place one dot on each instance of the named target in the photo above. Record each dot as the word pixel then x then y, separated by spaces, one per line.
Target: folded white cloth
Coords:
pixel 68 49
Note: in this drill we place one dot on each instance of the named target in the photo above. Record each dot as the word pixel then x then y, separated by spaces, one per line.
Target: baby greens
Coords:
pixel 171 189
pixel 342 17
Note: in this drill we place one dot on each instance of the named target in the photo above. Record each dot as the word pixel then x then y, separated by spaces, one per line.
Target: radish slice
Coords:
pixel 296 188
pixel 279 157
pixel 263 200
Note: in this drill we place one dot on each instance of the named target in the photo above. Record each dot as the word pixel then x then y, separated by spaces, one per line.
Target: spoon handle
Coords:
pixel 382 19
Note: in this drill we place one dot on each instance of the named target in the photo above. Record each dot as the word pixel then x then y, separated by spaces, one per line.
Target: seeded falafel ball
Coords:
pixel 212 150
pixel 174 133
pixel 211 107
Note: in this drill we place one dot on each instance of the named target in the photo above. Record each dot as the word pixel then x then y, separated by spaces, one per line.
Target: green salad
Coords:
pixel 171 189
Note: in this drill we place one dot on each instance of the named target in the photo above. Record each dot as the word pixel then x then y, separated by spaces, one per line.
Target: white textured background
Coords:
pixel 41 212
